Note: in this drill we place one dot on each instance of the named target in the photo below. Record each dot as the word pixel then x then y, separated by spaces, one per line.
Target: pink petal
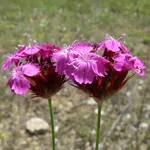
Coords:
pixel 124 48
pixel 31 50
pixel 82 47
pixel 127 61
pixel 112 45
pixel 84 74
pixel 101 45
pixel 7 64
pixel 99 69
pixel 30 70
pixel 19 85
pixel 60 60
pixel 138 66
pixel 119 67
pixel 10 60
pixel 46 50
pixel 98 65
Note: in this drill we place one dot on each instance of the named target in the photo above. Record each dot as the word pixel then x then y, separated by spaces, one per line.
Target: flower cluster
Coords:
pixel 34 70
pixel 44 68
pixel 99 76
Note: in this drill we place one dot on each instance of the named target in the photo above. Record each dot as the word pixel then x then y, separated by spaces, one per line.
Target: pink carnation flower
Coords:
pixel 34 70
pixel 98 76
pixel 125 62
pixel 31 49
pixel 112 44
pixel 21 53
pixel 79 63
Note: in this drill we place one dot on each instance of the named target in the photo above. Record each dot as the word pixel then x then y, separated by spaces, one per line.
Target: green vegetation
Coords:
pixel 64 21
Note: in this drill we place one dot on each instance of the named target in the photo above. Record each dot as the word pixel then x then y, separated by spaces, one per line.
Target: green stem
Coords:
pixel 98 125
pixel 52 123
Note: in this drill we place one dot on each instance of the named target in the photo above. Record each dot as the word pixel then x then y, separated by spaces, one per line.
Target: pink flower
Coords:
pixel 31 49
pixel 18 81
pixel 24 50
pixel 113 45
pixel 48 82
pixel 34 70
pixel 100 76
pixel 125 62
pixel 21 53
pixel 79 63
pixel 43 68
pixel 9 61
pixel 85 66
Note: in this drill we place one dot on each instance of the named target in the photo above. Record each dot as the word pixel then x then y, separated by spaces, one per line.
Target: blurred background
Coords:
pixel 125 116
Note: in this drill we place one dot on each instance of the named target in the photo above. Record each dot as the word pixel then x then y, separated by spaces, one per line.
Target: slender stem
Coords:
pixel 52 123
pixel 98 125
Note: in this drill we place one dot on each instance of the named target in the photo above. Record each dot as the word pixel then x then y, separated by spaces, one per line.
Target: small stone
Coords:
pixel 56 128
pixel 37 126
pixel 144 146
pixel 148 107
pixel 128 116
pixel 87 145
pixel 141 82
pixel 93 132
pixel 96 112
pixel 65 92
pixel 140 87
pixel 91 101
pixel 144 125
pixel 23 142
pixel 128 94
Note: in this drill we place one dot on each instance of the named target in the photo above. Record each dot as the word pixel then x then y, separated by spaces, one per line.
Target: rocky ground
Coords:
pixel 125 120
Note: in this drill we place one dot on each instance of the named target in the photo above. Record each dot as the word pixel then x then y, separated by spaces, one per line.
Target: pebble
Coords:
pixel 144 125
pixel 96 112
pixel 56 128
pixel 128 116
pixel 91 101
pixel 128 94
pixel 37 126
